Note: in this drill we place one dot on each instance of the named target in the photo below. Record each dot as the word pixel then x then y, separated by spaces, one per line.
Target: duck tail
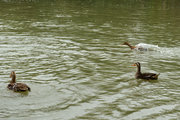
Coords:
pixel 156 76
pixel 29 89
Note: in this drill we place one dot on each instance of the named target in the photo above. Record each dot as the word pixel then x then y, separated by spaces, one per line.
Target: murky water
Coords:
pixel 69 52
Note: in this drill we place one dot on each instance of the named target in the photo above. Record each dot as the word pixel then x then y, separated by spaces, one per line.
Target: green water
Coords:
pixel 69 52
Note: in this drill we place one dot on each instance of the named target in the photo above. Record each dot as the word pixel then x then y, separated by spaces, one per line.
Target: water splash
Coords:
pixel 147 47
pixel 168 52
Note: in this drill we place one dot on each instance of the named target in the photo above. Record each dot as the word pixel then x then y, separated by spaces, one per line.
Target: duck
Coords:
pixel 17 87
pixel 146 76
pixel 140 48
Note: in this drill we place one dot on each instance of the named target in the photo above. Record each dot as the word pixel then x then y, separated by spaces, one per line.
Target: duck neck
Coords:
pixel 132 47
pixel 13 79
pixel 139 69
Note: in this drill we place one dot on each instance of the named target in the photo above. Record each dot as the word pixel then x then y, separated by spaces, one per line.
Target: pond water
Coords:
pixel 70 53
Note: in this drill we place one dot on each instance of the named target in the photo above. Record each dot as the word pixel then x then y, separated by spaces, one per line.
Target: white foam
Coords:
pixel 148 47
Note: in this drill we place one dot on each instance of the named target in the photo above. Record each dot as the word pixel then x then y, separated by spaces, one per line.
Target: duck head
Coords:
pixel 138 67
pixel 13 76
pixel 137 64
pixel 125 43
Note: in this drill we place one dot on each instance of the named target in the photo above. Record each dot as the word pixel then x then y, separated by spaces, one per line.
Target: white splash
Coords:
pixel 147 47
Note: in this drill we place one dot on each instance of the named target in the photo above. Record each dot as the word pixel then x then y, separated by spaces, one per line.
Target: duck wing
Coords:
pixel 149 76
pixel 21 87
pixel 142 49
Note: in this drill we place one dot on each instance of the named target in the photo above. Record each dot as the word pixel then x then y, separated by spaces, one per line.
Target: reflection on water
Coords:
pixel 70 54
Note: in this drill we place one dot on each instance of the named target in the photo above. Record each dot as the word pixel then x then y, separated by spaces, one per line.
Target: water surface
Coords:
pixel 70 54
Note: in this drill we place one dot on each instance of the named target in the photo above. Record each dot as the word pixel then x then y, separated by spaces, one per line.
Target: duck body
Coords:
pixel 140 48
pixel 17 87
pixel 146 76
pixel 136 47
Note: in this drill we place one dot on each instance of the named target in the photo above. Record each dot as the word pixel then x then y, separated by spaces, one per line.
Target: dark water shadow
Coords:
pixel 140 81
pixel 20 94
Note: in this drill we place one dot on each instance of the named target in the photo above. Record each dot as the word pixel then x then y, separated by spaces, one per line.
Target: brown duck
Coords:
pixel 146 76
pixel 17 87
pixel 135 47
